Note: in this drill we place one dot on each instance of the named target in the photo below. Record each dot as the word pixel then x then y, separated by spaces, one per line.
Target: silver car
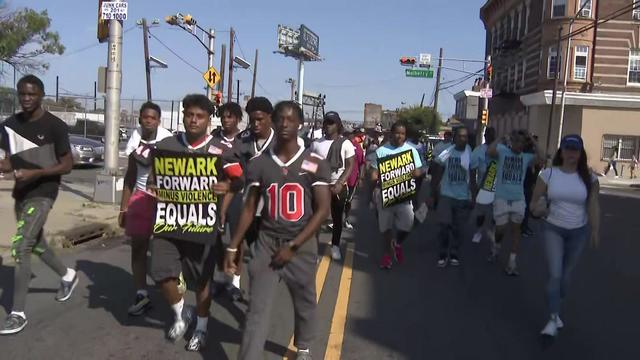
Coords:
pixel 86 151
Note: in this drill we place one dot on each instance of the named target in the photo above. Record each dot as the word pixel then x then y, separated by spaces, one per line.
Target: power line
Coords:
pixel 174 53
pixel 92 45
pixel 235 36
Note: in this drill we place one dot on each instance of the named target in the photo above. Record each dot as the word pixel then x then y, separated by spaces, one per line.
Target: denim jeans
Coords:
pixel 453 216
pixel 563 248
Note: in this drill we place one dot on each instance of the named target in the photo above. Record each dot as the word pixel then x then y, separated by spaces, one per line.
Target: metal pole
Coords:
pixel 255 74
pixel 238 92
pixel 114 88
pixel 210 53
pixel 95 96
pixel 56 85
pixel 438 76
pixel 230 90
pixel 223 57
pixel 553 96
pixel 566 77
pixel 15 94
pixel 147 66
pixel 300 80
pixel 485 102
pixel 171 121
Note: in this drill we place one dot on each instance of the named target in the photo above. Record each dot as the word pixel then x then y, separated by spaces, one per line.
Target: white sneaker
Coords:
pixel 476 237
pixel 335 253
pixel 551 329
pixel 559 323
pixel 617 177
pixel 347 225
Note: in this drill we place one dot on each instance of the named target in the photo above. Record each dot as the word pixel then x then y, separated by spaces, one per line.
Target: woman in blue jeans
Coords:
pixel 567 196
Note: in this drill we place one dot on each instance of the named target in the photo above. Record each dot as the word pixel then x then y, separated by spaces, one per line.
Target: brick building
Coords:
pixel 603 87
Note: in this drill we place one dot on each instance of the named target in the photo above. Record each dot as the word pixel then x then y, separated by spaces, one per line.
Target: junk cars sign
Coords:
pixel 187 207
pixel 396 178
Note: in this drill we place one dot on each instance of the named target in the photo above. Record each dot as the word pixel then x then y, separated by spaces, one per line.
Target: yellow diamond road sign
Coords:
pixel 211 76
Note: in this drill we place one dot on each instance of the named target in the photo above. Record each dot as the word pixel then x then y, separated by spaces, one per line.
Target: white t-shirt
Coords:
pixel 321 147
pixel 567 198
pixel 142 172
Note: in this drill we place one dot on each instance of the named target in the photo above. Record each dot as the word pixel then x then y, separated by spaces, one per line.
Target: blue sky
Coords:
pixel 361 41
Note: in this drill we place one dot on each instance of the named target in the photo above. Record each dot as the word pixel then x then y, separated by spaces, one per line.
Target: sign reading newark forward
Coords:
pixel 423 73
pixel 396 178
pixel 114 10
pixel 211 76
pixel 187 207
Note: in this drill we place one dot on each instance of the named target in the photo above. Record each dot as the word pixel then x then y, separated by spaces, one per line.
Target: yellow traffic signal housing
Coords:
pixel 485 116
pixel 103 25
pixel 188 19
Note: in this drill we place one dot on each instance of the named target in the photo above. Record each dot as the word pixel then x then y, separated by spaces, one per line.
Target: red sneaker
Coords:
pixel 386 262
pixel 399 253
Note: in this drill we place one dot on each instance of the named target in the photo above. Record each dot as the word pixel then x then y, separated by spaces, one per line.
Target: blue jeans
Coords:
pixel 563 248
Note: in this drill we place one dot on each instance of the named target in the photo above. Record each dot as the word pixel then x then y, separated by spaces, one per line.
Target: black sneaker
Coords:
pixel 66 289
pixel 234 293
pixel 140 305
pixel 198 341
pixel 13 324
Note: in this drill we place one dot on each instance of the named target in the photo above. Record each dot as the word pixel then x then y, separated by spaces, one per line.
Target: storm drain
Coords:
pixel 85 233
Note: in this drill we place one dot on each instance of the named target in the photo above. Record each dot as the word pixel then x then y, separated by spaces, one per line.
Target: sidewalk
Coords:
pixel 611 181
pixel 73 217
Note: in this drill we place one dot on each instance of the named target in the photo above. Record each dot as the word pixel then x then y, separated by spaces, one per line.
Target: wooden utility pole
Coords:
pixel 438 77
pixel 230 90
pixel 147 66
pixel 223 57
pixel 255 74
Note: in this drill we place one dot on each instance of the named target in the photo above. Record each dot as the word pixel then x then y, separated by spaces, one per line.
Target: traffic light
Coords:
pixel 171 19
pixel 485 116
pixel 103 25
pixel 407 61
pixel 188 19
pixel 489 72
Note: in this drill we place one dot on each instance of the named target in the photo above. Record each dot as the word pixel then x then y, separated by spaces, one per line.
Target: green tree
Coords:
pixel 421 118
pixel 25 38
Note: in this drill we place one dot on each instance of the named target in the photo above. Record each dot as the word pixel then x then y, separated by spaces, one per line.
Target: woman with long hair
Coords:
pixel 566 195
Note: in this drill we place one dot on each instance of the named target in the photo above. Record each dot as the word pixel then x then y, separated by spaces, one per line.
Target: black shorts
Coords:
pixel 171 257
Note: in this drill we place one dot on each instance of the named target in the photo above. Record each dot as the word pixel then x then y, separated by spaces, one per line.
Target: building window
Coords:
pixel 586 8
pixel 580 63
pixel 624 147
pixel 553 62
pixel 559 8
pixel 636 11
pixel 634 66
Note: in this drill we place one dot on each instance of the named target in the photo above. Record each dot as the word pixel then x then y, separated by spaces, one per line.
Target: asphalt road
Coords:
pixel 415 311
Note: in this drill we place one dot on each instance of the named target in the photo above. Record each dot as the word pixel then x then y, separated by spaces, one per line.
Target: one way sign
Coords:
pixel 211 76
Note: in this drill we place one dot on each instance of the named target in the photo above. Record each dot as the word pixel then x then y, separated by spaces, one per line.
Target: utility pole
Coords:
pixel 147 66
pixel 555 88
pixel 255 74
pixel 238 92
pixel 293 88
pixel 422 101
pixel 95 96
pixel 231 39
pixel 223 57
pixel 438 76
pixel 485 101
pixel 212 38
pixel 105 187
pixel 300 80
pixel 14 75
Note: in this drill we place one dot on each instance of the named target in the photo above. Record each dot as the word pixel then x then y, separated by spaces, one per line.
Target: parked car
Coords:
pixel 86 151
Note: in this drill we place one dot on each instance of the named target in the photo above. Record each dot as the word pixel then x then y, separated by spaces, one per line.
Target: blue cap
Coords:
pixel 573 142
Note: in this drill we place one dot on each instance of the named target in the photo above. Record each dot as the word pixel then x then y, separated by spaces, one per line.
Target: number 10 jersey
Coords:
pixel 287 190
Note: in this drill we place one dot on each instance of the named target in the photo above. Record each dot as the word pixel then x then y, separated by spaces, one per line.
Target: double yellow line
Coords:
pixel 339 320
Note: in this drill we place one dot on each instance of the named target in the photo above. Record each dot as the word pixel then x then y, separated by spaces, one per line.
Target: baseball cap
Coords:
pixel 332 117
pixel 573 142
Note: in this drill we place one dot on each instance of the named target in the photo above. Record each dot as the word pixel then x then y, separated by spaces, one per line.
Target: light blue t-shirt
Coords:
pixel 455 179
pixel 512 169
pixel 480 157
pixel 388 149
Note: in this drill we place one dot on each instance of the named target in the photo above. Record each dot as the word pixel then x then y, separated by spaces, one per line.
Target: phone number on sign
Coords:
pixel 114 16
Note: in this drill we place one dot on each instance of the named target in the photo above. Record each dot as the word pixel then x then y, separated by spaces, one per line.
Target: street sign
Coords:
pixel 425 60
pixel 486 93
pixel 422 73
pixel 114 10
pixel 211 76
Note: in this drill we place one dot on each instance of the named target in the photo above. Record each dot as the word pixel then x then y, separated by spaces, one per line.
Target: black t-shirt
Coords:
pixel 37 144
pixel 287 190
pixel 249 146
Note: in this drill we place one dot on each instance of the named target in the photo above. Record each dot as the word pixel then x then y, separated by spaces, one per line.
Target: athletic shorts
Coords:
pixel 506 211
pixel 400 215
pixel 169 257
pixel 141 212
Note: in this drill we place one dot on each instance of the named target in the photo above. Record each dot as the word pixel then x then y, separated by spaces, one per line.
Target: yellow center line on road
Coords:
pixel 339 321
pixel 321 276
